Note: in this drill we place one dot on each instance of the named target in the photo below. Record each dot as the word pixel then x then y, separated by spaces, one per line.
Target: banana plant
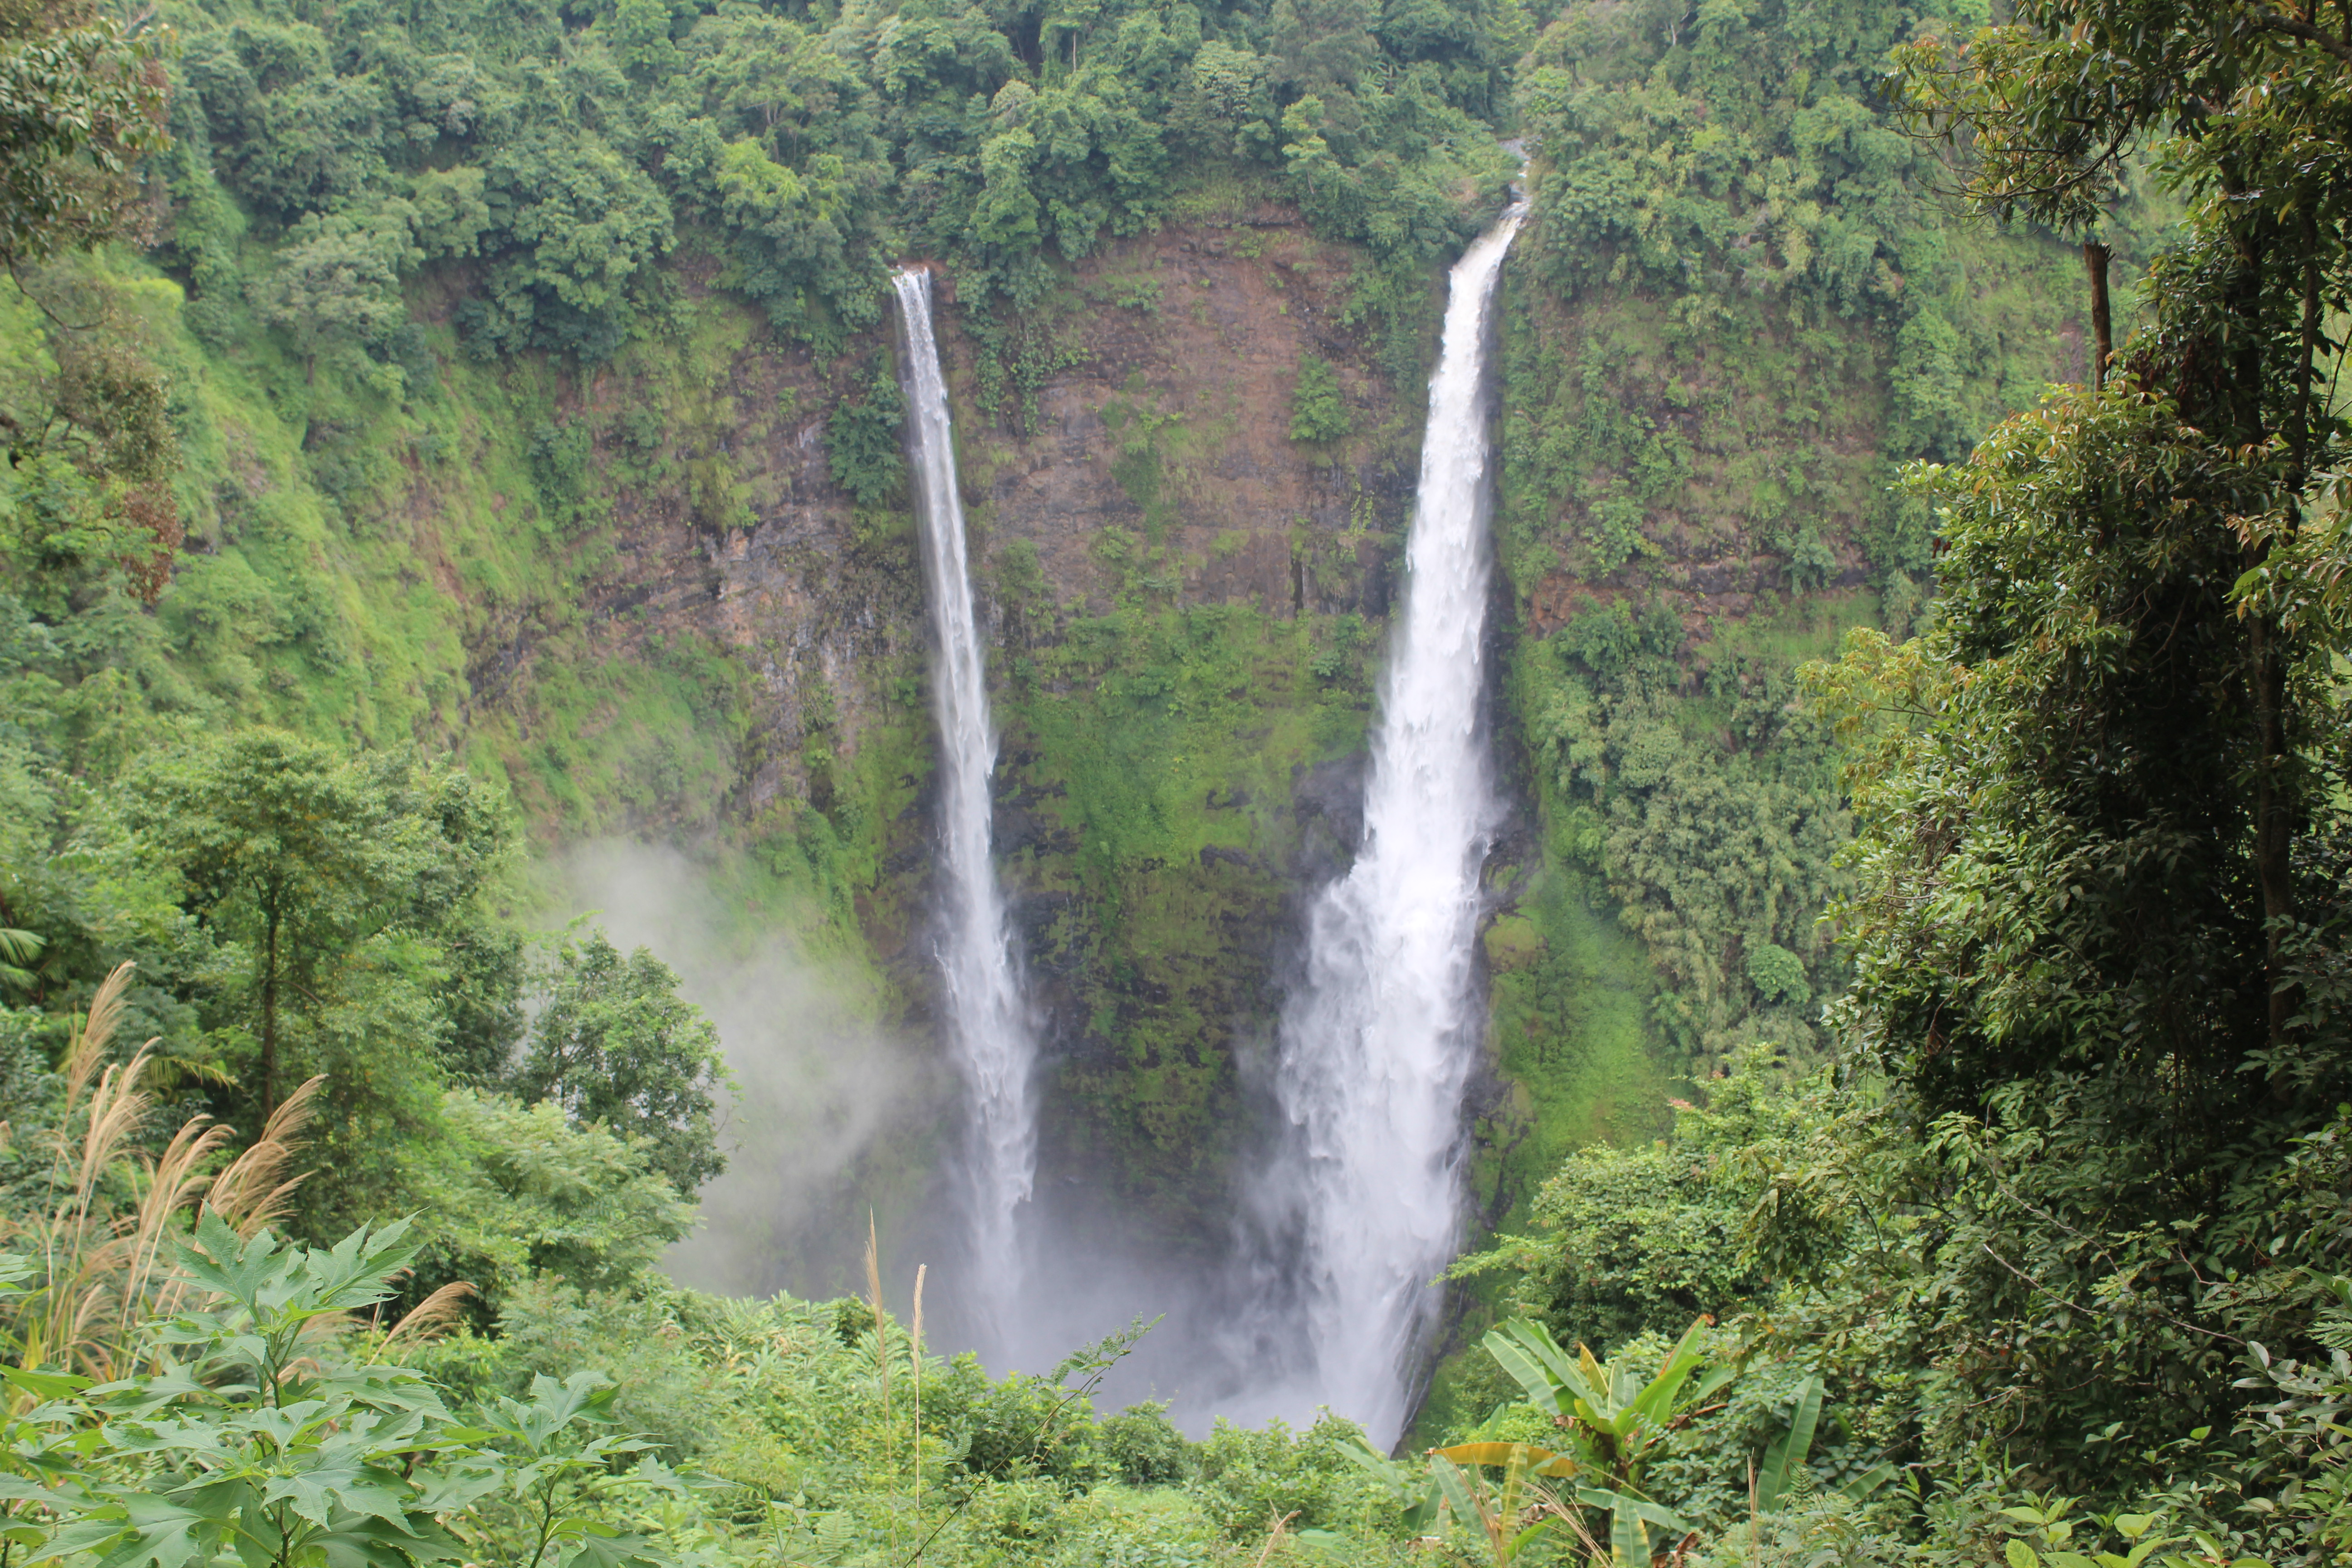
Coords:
pixel 1786 1454
pixel 1520 1510
pixel 1612 1418
pixel 1500 1512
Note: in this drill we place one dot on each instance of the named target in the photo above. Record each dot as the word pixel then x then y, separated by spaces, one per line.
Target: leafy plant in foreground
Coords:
pixel 256 1445
pixel 1787 1455
pixel 1612 1417
pixel 1512 1515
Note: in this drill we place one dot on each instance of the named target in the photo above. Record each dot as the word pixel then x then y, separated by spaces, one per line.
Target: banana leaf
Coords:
pixel 1535 1462
pixel 1789 1450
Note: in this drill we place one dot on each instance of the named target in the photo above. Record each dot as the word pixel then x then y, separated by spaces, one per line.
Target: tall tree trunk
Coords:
pixel 2273 814
pixel 2306 368
pixel 2103 329
pixel 2265 655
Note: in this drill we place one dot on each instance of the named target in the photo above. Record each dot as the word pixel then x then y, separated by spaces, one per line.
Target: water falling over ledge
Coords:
pixel 1378 1040
pixel 989 1029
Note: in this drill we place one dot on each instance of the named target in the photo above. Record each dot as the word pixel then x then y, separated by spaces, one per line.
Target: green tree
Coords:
pixel 1322 44
pixel 510 1191
pixel 80 100
pixel 861 442
pixel 617 1046
pixel 334 889
pixel 338 278
pixel 584 228
pixel 1632 1241
pixel 2101 894
pixel 287 132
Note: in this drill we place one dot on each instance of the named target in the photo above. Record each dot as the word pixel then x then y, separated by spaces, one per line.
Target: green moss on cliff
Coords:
pixel 1152 758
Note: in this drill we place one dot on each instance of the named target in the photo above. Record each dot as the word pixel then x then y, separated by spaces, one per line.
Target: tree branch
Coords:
pixel 2272 22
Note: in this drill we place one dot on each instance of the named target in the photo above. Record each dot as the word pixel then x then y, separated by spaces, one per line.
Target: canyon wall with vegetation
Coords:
pixel 533 400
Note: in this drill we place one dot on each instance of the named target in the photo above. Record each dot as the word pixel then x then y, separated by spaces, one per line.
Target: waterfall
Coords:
pixel 988 1026
pixel 1378 1043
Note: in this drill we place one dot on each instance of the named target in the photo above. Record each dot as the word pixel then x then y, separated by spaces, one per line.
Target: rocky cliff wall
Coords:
pixel 643 596
pixel 1187 606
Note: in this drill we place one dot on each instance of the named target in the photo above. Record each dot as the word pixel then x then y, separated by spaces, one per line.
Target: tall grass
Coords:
pixel 100 1231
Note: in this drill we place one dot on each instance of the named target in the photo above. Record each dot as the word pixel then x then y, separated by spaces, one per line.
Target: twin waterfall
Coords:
pixel 1380 1035
pixel 988 1021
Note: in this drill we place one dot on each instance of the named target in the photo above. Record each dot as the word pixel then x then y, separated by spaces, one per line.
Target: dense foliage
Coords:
pixel 560 154
pixel 2068 1217
pixel 2064 1215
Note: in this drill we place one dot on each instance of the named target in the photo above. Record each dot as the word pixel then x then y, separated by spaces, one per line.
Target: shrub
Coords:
pixel 862 439
pixel 1319 410
pixel 1248 1478
pixel 1144 1445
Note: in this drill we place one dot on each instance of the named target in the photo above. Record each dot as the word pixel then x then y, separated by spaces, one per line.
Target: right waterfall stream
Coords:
pixel 1379 1039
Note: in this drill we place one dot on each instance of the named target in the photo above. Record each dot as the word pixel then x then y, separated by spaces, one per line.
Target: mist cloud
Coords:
pixel 820 1090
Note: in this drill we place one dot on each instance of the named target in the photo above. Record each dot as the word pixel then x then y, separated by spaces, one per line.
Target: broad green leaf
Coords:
pixel 1522 1370
pixel 1869 1481
pixel 363 1543
pixel 1621 1503
pixel 15 1490
pixel 162 1533
pixel 1455 1489
pixel 618 1552
pixel 1596 1380
pixel 1656 1401
pixel 45 1384
pixel 1791 1448
pixel 85 1535
pixel 1628 1537
pixel 1534 1338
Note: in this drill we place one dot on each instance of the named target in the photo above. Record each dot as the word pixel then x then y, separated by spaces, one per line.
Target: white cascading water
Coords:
pixel 989 1027
pixel 1378 1045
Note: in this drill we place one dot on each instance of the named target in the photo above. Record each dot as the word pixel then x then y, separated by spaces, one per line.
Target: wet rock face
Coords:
pixel 1174 424
pixel 1161 448
pixel 1328 803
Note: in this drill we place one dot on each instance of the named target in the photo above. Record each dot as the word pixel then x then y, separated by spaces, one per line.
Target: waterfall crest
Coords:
pixel 990 1031
pixel 1378 1043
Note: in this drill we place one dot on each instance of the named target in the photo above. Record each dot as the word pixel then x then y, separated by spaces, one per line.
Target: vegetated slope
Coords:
pixel 1741 307
pixel 529 372
pixel 2072 1219
pixel 530 380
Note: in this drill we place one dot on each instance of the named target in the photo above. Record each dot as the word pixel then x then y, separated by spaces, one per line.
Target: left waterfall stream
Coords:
pixel 990 1031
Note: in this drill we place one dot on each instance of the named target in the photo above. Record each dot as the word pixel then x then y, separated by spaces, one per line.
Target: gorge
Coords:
pixel 1250 784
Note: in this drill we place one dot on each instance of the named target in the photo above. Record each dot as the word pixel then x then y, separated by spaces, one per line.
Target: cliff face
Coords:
pixel 1190 603
pixel 1187 606
pixel 645 597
